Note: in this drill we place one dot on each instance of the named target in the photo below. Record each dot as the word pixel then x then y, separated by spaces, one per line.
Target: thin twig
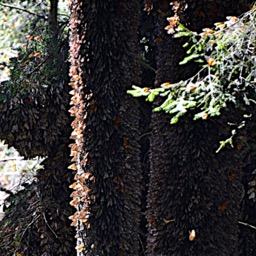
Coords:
pixel 247 225
pixel 31 223
pixel 11 159
pixel 147 66
pixel 38 66
pixel 7 191
pixel 145 134
pixel 142 246
pixel 23 10
pixel 49 226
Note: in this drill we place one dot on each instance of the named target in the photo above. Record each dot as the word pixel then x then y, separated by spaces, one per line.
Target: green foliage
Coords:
pixel 14 23
pixel 35 68
pixel 227 58
pixel 21 18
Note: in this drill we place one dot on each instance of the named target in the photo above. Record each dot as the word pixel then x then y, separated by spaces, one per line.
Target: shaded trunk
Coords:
pixel 193 190
pixel 247 147
pixel 52 208
pixel 53 16
pixel 39 214
pixel 37 123
pixel 104 63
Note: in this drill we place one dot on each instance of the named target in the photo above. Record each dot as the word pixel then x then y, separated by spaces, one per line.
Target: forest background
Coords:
pixel 139 185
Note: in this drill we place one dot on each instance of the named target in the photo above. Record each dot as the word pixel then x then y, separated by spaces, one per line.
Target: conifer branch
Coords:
pixel 23 10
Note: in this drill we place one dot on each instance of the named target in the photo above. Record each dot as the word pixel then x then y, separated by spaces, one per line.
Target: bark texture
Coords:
pixel 104 63
pixel 33 119
pixel 247 147
pixel 36 221
pixel 36 121
pixel 191 187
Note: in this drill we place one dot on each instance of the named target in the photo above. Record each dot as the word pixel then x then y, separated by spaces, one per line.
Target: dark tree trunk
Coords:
pixel 44 229
pixel 191 187
pixel 53 16
pixel 247 147
pixel 39 125
pixel 104 63
pixel 52 227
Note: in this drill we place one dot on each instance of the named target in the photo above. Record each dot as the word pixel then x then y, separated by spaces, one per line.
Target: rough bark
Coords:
pixel 43 206
pixel 35 120
pixel 53 16
pixel 247 148
pixel 191 187
pixel 104 63
pixel 32 120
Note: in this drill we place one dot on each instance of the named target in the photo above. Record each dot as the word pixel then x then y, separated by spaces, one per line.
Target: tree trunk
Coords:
pixel 53 16
pixel 194 193
pixel 104 63
pixel 40 125
pixel 247 147
pixel 39 214
pixel 56 236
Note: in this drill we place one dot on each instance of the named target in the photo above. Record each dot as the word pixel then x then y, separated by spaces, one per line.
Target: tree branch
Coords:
pixel 247 225
pixel 23 10
pixel 7 191
pixel 49 226
pixel 11 159
pixel 39 65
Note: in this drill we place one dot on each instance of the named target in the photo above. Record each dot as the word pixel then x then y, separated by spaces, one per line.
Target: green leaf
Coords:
pixel 164 93
pixel 189 58
pixel 199 61
pixel 189 51
pixel 181 27
pixel 167 102
pixel 134 93
pixel 138 92
pixel 157 109
pixel 157 90
pixel 151 97
pixel 190 103
pixel 174 120
pixel 185 45
pixel 169 106
pixel 183 33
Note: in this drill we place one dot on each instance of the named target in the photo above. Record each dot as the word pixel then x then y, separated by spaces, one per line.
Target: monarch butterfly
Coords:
pixel 192 235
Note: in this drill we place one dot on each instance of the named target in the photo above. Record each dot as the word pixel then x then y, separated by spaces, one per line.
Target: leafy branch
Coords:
pixel 227 58
pixel 23 10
